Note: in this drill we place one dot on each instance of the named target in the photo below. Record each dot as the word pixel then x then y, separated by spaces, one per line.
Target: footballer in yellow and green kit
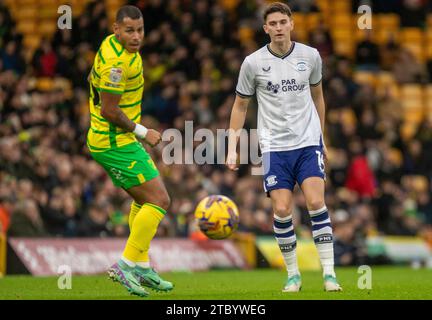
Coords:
pixel 118 71
pixel 116 89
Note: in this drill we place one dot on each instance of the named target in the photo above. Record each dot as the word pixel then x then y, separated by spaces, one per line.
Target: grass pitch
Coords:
pixel 392 283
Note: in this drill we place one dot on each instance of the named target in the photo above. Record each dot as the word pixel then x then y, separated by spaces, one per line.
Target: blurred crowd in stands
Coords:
pixel 377 182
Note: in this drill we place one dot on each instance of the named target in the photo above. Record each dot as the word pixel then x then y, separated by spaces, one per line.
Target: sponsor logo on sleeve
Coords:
pixel 115 75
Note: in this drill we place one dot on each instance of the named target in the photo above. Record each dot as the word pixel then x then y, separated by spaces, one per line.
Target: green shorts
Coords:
pixel 128 166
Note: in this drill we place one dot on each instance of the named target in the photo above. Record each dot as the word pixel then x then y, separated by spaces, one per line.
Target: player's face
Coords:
pixel 130 33
pixel 278 26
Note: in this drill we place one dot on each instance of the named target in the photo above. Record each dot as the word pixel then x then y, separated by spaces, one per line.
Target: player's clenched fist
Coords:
pixel 231 161
pixel 153 137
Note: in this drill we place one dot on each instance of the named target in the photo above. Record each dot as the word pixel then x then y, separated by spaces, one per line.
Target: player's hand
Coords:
pixel 231 161
pixel 153 137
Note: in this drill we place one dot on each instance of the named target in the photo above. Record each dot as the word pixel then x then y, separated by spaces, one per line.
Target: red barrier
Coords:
pixel 43 257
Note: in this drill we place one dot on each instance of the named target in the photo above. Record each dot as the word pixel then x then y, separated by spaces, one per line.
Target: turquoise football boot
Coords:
pixel 124 274
pixel 149 278
pixel 331 284
pixel 293 284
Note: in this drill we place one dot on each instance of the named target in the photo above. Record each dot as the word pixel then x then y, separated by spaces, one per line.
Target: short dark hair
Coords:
pixel 277 7
pixel 128 11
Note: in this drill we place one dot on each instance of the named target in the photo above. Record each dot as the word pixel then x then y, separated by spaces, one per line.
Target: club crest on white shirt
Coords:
pixel 301 66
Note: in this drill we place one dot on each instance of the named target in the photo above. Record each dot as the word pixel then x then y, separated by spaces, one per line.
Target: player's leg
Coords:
pixel 148 209
pixel 311 180
pixel 134 209
pixel 154 201
pixel 278 183
pixel 116 164
pixel 131 168
pixel 285 236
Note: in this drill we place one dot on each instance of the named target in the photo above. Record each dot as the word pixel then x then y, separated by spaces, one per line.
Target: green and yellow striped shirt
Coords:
pixel 117 71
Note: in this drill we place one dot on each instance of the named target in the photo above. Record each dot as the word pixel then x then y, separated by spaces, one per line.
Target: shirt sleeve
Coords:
pixel 316 74
pixel 113 77
pixel 246 80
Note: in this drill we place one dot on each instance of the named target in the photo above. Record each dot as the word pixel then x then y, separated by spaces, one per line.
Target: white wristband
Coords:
pixel 140 131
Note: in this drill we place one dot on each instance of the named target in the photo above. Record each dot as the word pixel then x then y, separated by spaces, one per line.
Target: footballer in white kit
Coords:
pixel 286 78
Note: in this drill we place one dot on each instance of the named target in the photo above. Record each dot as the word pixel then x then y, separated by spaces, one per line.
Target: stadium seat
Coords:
pixel 48 12
pixel 245 34
pixel 229 5
pixel 343 36
pixel 338 7
pixel 388 21
pixel 344 41
pixel 26 26
pixel 428 51
pixel 117 3
pixel 391 89
pixel 300 34
pixel 299 20
pixel 113 6
pixel 385 78
pixel 417 49
pixel 25 3
pixel 427 34
pixel 345 49
pixel 45 84
pixel 408 129
pixel 416 183
pixel 313 20
pixel 31 41
pixel 382 36
pixel 429 20
pixel 395 156
pixel 323 4
pixel 26 13
pixel 412 100
pixel 428 108
pixel 428 92
pixel 47 3
pixel 360 34
pixel 47 28
pixel 420 183
pixel 413 114
pixel 412 35
pixel 342 21
pixel 348 116
pixel 412 91
pixel 385 81
pixel 365 77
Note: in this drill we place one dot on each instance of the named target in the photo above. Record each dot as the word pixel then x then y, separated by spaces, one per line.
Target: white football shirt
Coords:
pixel 287 116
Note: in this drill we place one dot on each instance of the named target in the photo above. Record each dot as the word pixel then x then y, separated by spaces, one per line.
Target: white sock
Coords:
pixel 143 264
pixel 286 239
pixel 322 233
pixel 128 262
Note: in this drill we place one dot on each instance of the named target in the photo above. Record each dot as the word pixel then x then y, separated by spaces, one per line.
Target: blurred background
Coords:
pixel 378 94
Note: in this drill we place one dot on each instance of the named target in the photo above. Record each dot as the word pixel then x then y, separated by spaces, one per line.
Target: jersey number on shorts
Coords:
pixel 320 160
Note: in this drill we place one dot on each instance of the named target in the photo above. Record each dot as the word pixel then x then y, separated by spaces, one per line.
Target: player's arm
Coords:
pixel 244 91
pixel 238 117
pixel 112 113
pixel 315 80
pixel 318 99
